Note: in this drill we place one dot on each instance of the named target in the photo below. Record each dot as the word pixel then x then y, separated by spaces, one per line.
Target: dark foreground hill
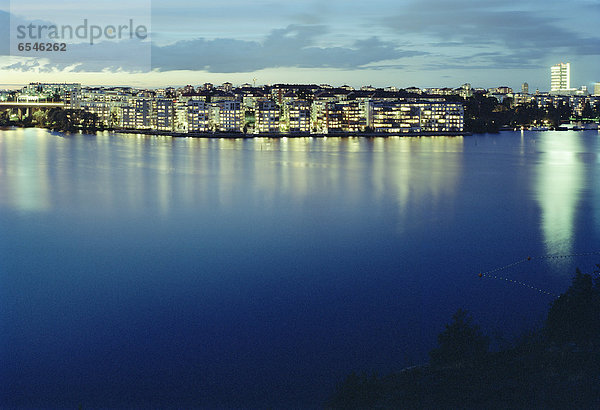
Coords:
pixel 557 366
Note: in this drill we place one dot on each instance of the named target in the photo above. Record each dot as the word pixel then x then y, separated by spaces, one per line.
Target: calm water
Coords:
pixel 140 271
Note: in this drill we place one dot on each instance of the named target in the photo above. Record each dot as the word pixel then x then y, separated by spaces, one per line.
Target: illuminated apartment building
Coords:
pixel 101 109
pixel 227 116
pixel 198 116
pixel 415 117
pixel 345 116
pixel 441 117
pixel 128 117
pixel 296 116
pixel 318 117
pixel 394 117
pixel 143 113
pixel 165 114
pixel 266 116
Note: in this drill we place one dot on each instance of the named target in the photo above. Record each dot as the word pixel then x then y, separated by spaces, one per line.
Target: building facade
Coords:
pixel 560 77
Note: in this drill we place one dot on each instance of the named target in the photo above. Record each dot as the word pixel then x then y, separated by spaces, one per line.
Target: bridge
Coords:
pixel 27 108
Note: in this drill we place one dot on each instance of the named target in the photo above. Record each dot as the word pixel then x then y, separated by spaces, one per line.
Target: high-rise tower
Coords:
pixel 560 77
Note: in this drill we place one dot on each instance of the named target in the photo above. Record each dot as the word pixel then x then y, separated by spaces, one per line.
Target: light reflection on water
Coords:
pixel 260 271
pixel 560 185
pixel 121 173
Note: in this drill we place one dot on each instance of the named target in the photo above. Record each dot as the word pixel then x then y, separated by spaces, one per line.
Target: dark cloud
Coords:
pixel 519 38
pixel 125 55
pixel 131 55
pixel 293 46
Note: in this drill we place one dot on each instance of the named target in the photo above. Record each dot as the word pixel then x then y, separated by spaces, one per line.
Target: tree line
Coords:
pixel 56 119
pixel 487 114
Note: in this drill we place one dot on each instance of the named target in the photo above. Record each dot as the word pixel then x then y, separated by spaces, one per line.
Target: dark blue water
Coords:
pixel 149 271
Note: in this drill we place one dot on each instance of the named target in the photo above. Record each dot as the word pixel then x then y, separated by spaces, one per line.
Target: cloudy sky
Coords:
pixel 403 43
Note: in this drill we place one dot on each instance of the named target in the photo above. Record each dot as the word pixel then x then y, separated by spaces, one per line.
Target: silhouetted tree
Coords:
pixel 462 342
pixel 60 119
pixel 587 111
pixel 4 118
pixel 575 316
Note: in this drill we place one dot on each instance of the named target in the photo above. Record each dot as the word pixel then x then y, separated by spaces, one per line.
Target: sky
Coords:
pixel 402 43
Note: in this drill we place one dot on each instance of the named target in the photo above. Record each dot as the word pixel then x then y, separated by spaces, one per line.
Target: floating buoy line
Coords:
pixel 492 272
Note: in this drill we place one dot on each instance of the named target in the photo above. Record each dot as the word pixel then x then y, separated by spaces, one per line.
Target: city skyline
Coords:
pixel 431 44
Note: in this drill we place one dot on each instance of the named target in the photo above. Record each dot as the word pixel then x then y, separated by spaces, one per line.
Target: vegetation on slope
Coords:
pixel 557 366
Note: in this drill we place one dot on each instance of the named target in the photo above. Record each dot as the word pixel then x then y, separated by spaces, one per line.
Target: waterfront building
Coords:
pixel 414 117
pixel 296 116
pixel 441 117
pixel 101 109
pixel 227 116
pixel 353 119
pixel 597 89
pixel 198 115
pixel 344 116
pixel 128 117
pixel 267 115
pixel 165 114
pixel 318 122
pixel 333 117
pixel 144 109
pixel 180 115
pixel 394 117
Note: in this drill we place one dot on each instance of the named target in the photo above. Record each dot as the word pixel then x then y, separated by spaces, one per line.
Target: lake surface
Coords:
pixel 153 271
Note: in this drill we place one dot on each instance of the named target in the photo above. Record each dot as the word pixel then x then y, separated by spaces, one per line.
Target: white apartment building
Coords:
pixel 227 116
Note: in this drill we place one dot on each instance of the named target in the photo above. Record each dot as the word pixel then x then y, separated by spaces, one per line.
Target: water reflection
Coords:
pixel 559 185
pixel 417 173
pixel 118 173
pixel 24 166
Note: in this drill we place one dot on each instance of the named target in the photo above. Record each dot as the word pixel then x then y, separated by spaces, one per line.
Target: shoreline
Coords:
pixel 240 135
pixel 235 135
